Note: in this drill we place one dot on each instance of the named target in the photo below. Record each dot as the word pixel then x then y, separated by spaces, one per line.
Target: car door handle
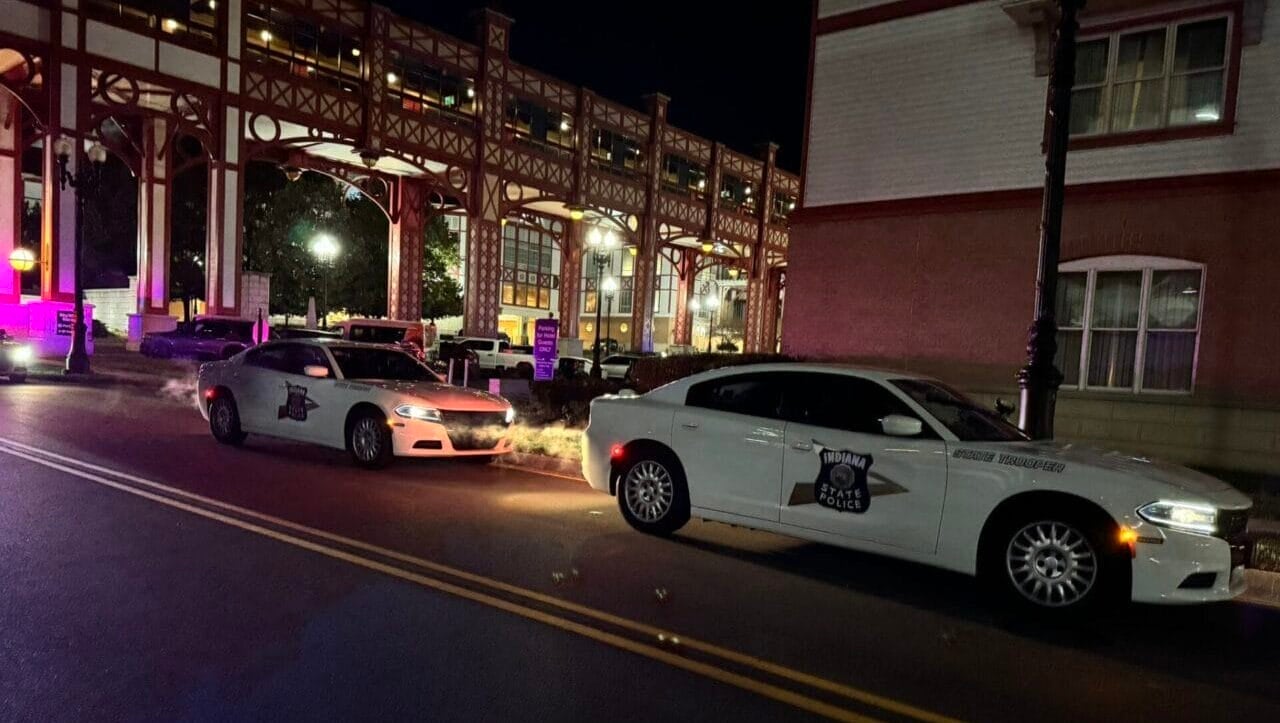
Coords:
pixel 689 425
pixel 802 446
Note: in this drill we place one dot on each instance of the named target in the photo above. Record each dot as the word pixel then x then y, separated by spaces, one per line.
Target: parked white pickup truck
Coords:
pixel 498 354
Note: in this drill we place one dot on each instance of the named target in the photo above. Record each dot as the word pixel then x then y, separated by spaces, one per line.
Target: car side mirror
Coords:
pixel 900 425
pixel 315 371
pixel 1004 408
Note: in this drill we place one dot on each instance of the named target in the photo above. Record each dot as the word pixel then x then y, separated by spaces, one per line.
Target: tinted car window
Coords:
pixel 966 419
pixel 211 329
pixel 757 395
pixel 370 363
pixel 269 356
pixel 839 401
pixel 376 334
pixel 298 357
pixel 477 344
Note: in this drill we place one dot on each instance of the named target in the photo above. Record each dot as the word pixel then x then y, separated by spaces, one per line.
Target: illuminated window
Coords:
pixel 1129 323
pixel 302 47
pixel 683 175
pixel 783 205
pixel 527 265
pixel 536 125
pixel 1145 78
pixel 416 86
pixel 194 20
pixel 616 153
pixel 737 194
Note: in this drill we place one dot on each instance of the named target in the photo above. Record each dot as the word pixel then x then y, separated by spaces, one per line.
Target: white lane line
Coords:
pixel 726 654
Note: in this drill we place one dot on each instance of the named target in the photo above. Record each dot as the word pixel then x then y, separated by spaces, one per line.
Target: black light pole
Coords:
pixel 85 181
pixel 602 253
pixel 608 286
pixel 1039 379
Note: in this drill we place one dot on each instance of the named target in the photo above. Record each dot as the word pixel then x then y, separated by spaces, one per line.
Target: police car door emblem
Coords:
pixel 296 404
pixel 842 480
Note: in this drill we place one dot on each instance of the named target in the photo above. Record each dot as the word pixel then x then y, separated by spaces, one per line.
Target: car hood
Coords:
pixel 1174 477
pixel 442 396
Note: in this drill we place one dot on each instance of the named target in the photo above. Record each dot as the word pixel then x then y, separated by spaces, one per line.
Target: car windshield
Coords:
pixel 959 414
pixel 358 363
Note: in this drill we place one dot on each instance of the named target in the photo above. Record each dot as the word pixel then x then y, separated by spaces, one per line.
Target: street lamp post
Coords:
pixel 610 287
pixel 710 302
pixel 85 181
pixel 1039 379
pixel 601 244
pixel 325 249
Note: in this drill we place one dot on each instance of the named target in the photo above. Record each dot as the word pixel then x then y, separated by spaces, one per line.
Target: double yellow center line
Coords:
pixel 812 694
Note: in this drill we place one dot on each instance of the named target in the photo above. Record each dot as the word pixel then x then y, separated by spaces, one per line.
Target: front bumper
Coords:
pixel 416 438
pixel 1184 567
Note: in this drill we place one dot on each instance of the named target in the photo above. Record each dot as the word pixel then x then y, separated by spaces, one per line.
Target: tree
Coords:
pixel 441 294
pixel 187 238
pixel 281 218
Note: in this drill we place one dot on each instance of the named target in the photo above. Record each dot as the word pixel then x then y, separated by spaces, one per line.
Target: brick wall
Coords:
pixel 950 293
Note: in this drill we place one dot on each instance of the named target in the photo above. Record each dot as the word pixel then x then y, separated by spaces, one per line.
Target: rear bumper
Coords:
pixel 410 438
pixel 1184 568
pixel 597 467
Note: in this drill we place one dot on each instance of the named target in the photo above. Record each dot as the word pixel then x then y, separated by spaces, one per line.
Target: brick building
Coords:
pixel 921 201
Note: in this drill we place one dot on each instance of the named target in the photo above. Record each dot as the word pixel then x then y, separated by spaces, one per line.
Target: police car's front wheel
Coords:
pixel 1060 562
pixel 369 440
pixel 652 493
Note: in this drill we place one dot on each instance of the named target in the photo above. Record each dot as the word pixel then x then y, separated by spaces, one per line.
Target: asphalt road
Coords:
pixel 148 573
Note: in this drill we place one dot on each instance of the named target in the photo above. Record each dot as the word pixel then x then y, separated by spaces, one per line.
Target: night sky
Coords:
pixel 735 71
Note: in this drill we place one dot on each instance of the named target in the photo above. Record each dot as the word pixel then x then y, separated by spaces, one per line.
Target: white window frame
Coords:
pixel 1146 265
pixel 1171 38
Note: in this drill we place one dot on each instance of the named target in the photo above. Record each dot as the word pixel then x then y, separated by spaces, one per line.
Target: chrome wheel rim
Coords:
pixel 366 439
pixel 1051 563
pixel 649 491
pixel 222 418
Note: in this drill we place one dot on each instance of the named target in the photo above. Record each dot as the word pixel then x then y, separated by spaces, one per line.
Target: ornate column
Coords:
pixel 11 206
pixel 755 338
pixel 644 273
pixel 571 278
pixel 155 202
pixel 484 222
pixel 682 331
pixel 223 259
pixel 404 252
pixel 58 206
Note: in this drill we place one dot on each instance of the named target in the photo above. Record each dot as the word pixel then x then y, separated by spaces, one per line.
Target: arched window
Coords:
pixel 1129 323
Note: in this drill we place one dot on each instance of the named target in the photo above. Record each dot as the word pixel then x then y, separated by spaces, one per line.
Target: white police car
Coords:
pixel 375 401
pixel 904 466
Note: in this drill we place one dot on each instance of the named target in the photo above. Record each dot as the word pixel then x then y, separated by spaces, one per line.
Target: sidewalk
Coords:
pixel 113 365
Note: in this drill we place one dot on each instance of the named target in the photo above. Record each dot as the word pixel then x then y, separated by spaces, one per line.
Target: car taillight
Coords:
pixel 616 452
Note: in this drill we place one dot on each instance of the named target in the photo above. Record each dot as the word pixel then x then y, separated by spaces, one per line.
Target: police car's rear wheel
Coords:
pixel 224 421
pixel 369 441
pixel 653 495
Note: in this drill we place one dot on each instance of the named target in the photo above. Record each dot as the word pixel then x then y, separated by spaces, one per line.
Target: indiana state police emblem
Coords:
pixel 842 480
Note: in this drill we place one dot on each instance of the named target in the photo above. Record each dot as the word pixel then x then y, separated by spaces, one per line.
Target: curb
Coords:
pixel 1263 588
pixel 570 468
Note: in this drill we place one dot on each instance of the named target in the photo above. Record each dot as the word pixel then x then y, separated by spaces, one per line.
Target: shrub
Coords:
pixel 566 401
pixel 653 372
pixel 727 346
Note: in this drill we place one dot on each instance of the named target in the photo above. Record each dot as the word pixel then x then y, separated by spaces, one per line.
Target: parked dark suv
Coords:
pixel 205 338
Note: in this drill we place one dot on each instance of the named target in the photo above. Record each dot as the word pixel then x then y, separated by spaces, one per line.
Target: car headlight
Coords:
pixel 22 355
pixel 511 415
pixel 1181 516
pixel 423 414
